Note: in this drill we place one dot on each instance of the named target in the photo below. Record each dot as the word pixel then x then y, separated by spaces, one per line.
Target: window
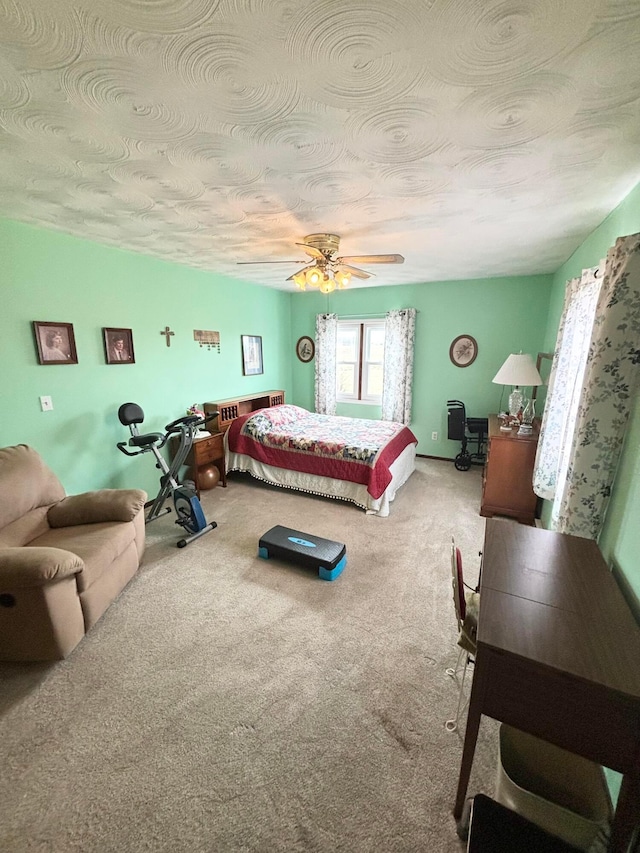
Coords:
pixel 359 361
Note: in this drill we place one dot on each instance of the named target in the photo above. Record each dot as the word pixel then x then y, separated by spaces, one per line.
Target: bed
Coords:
pixel 352 459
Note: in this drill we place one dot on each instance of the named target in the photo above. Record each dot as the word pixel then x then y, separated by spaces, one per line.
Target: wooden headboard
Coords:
pixel 235 406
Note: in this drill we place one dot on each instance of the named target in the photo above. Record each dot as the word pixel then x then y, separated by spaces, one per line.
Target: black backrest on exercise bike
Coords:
pixel 130 413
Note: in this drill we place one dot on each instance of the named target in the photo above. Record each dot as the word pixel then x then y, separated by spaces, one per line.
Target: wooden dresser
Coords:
pixel 508 472
pixel 235 406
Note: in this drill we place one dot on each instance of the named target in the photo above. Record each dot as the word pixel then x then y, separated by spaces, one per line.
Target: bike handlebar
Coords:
pixel 187 420
pixel 122 445
pixel 190 420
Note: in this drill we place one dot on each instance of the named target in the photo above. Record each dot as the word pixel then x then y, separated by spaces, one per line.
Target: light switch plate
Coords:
pixel 46 404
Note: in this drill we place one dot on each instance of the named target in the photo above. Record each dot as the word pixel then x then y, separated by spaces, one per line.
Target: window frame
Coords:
pixel 361 364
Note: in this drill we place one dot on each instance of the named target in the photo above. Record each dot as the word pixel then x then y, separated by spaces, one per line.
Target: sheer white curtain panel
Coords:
pixel 399 344
pixel 565 382
pixel 326 354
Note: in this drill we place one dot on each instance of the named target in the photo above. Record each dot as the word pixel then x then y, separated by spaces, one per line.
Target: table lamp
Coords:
pixel 519 370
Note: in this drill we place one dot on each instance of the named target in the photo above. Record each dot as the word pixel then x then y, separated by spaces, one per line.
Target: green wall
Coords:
pixel 503 314
pixel 52 277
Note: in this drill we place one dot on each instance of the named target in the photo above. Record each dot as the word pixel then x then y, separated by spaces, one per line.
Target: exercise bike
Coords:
pixel 185 500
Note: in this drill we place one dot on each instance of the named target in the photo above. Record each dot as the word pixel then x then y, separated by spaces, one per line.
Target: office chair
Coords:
pixel 466 602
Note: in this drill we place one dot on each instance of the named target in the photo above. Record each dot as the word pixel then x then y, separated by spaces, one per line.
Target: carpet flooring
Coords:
pixel 228 703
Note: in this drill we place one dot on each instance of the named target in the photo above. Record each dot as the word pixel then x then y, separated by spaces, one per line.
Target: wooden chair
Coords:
pixel 466 603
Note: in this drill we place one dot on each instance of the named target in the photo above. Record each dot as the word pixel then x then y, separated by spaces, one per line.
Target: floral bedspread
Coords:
pixel 353 449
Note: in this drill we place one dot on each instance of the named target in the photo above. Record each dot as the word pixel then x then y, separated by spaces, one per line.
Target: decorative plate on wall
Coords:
pixel 463 350
pixel 305 349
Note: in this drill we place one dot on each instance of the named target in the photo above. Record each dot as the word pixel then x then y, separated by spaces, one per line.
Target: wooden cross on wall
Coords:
pixel 167 333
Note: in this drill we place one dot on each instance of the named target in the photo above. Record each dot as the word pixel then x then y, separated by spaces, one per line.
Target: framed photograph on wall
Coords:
pixel 252 355
pixel 305 349
pixel 463 350
pixel 118 346
pixel 55 342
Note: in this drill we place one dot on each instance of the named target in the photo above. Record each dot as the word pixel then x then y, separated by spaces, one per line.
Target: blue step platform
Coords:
pixel 312 552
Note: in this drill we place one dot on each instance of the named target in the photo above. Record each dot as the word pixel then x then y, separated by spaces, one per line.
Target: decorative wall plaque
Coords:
pixel 206 338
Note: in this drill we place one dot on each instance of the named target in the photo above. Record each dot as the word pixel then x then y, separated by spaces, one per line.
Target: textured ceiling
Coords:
pixel 476 138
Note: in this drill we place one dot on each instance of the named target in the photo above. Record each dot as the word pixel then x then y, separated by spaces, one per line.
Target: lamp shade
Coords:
pixel 300 280
pixel 518 369
pixel 342 278
pixel 313 276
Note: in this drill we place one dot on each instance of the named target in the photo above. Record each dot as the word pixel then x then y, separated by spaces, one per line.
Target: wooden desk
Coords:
pixel 558 656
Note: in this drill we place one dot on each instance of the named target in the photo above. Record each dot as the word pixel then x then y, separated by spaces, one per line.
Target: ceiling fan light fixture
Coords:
pixel 342 279
pixel 313 276
pixel 327 272
pixel 328 285
pixel 300 280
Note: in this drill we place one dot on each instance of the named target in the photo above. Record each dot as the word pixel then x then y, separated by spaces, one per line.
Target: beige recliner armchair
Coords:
pixel 63 560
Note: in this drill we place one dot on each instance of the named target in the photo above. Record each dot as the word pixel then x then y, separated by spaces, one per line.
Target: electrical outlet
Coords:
pixel 46 404
pixel 434 436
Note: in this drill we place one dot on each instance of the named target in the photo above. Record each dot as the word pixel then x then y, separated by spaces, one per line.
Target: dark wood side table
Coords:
pixel 558 656
pixel 508 473
pixel 208 450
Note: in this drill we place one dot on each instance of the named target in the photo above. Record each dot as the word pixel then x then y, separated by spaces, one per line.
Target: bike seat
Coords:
pixel 146 440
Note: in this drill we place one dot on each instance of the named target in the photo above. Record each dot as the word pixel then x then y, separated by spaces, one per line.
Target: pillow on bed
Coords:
pixel 282 415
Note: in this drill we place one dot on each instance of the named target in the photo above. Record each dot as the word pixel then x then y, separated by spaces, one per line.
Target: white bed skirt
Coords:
pixel 314 484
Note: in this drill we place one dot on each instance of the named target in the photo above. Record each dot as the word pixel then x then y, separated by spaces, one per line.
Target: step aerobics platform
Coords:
pixel 312 552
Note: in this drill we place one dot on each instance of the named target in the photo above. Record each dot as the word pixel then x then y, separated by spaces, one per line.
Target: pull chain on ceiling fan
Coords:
pixel 327 272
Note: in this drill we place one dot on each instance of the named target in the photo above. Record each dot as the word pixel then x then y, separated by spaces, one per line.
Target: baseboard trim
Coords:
pixel 626 589
pixel 441 458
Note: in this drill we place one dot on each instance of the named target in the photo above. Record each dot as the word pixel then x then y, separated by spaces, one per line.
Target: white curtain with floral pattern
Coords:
pixel 399 340
pixel 610 381
pixel 326 353
pixel 565 381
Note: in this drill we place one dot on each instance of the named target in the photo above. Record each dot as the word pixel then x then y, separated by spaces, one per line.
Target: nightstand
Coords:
pixel 208 450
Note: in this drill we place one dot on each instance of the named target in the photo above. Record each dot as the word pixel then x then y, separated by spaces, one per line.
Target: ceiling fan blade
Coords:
pixel 355 271
pixel 311 250
pixel 270 262
pixel 373 259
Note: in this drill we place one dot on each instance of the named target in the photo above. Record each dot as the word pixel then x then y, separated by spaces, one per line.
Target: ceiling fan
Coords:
pixel 327 272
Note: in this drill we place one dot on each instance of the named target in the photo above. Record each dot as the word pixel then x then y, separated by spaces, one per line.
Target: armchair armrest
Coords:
pixel 29 567
pixel 93 507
